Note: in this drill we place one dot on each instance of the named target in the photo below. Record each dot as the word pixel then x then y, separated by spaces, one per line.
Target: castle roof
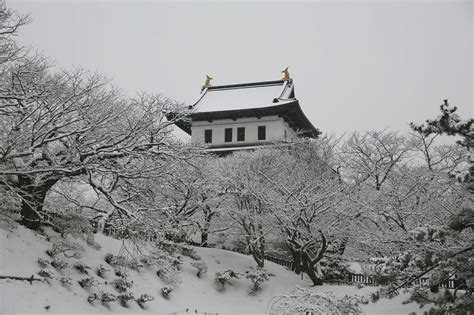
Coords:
pixel 256 99
pixel 244 96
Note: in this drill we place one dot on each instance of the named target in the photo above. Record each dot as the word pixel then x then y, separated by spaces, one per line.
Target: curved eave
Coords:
pixel 291 112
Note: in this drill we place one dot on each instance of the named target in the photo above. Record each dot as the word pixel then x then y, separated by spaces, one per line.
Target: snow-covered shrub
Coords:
pixel 166 250
pixel 166 291
pixel 124 298
pixel 76 226
pixel 43 262
pixel 201 268
pixel 190 252
pixel 46 273
pixel 304 301
pixel 429 233
pixel 114 260
pixel 169 266
pixel 59 264
pixel 72 224
pixel 444 302
pixel 90 240
pixel 176 262
pixel 175 235
pixel 148 261
pixel 121 284
pixel 384 270
pixel 66 247
pixel 103 297
pixel 171 248
pixel 135 264
pixel 143 299
pixel 92 297
pixel 66 281
pixel 101 270
pixel 223 277
pixel 169 275
pixel 82 268
pixel 106 297
pixel 334 269
pixel 258 276
pixel 88 282
pixel 9 216
pixel 120 272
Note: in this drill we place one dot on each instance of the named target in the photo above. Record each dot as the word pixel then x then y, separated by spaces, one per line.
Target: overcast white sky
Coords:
pixel 356 65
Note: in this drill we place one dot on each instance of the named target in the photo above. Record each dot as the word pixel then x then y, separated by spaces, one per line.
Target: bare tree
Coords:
pixel 420 220
pixel 210 200
pixel 373 156
pixel 290 188
pixel 444 158
pixel 307 204
pixel 244 205
pixel 66 124
pixel 10 23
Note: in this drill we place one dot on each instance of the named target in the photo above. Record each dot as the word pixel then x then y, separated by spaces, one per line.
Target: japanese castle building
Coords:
pixel 242 116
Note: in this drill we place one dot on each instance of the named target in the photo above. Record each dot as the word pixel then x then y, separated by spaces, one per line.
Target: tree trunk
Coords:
pixel 204 237
pixel 312 270
pixel 207 224
pixel 258 251
pixel 314 277
pixel 302 263
pixel 261 246
pixel 31 209
pixel 295 253
pixel 256 243
pixel 259 259
pixel 33 196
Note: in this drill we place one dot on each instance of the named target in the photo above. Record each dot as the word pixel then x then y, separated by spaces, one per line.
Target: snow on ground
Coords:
pixel 21 248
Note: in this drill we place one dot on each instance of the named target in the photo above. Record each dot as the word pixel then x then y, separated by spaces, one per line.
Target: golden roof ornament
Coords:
pixel 287 74
pixel 207 83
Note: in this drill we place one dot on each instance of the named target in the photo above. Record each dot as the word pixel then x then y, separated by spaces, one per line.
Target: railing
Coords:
pixel 362 279
pixel 371 280
pixel 281 262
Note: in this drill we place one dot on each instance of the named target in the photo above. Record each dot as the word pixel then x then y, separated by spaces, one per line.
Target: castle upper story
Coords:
pixel 242 116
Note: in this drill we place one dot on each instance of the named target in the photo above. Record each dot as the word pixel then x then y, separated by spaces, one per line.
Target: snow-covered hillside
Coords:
pixel 21 248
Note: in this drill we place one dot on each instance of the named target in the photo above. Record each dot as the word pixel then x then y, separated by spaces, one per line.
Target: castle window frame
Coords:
pixel 228 135
pixel 240 133
pixel 208 136
pixel 262 133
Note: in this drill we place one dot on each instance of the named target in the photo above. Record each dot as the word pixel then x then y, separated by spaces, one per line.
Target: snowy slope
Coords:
pixel 21 248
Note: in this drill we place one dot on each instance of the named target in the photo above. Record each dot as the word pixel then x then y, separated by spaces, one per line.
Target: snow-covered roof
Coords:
pixel 257 99
pixel 244 96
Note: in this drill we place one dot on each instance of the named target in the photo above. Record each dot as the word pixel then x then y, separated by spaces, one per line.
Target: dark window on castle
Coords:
pixel 208 136
pixel 228 135
pixel 241 134
pixel 261 133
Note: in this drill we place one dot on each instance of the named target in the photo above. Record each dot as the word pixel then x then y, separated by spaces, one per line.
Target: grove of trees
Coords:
pixel 71 142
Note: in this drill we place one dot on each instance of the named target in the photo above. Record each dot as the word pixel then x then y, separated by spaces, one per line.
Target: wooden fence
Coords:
pixel 281 262
pixel 357 278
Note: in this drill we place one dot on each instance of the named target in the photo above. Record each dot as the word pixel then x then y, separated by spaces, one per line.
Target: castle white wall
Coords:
pixel 275 130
